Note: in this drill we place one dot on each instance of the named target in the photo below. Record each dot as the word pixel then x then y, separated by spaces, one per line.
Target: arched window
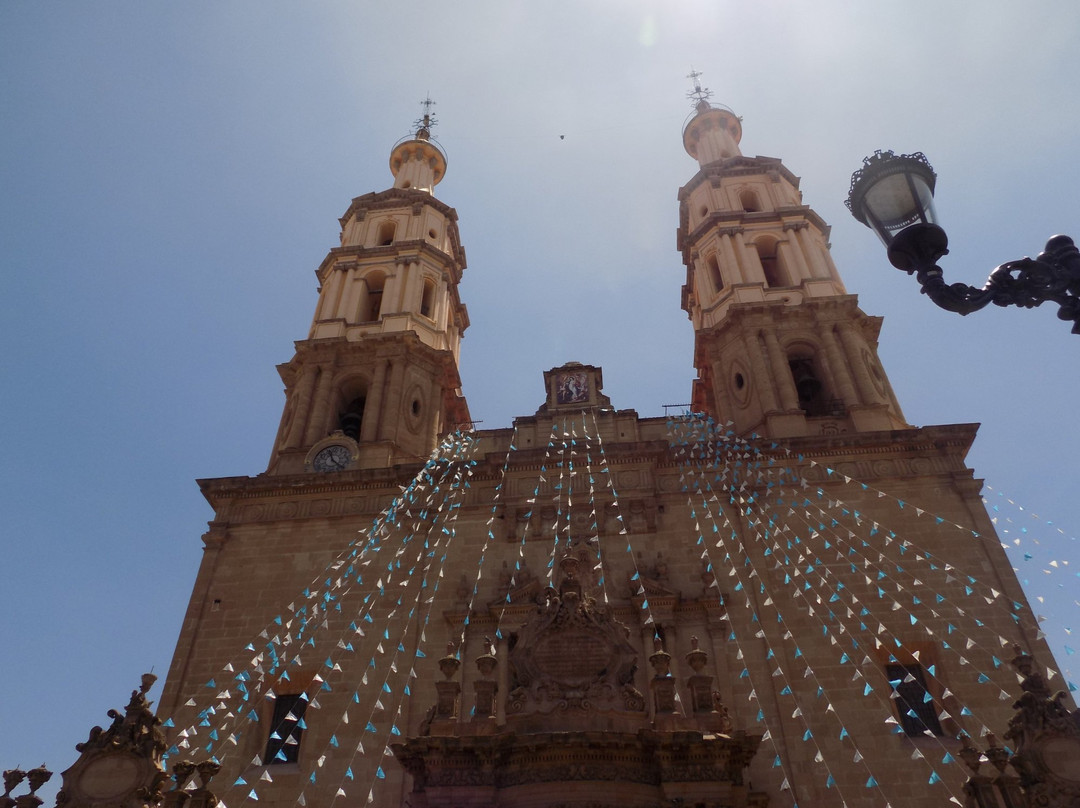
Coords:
pixel 714 273
pixel 775 276
pixel 427 301
pixel 749 201
pixel 386 233
pixel 353 417
pixel 813 398
pixel 372 305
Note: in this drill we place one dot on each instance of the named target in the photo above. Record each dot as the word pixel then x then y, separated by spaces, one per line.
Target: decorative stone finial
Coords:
pixel 570 585
pixel 36 779
pixel 182 795
pixel 998 757
pixel 970 754
pixel 660 659
pixel 182 772
pixel 12 778
pixel 206 770
pixel 449 664
pixel 696 658
pixel 486 662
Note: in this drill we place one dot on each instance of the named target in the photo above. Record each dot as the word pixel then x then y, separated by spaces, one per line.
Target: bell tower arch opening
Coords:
pixel 352 401
pixel 371 304
pixel 749 200
pixel 712 265
pixel 772 265
pixel 386 233
pixel 427 299
pixel 811 390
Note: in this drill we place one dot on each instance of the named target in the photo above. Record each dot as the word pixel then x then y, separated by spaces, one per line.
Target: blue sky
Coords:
pixel 172 175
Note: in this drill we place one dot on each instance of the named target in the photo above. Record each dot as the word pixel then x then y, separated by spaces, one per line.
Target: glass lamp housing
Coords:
pixel 894 196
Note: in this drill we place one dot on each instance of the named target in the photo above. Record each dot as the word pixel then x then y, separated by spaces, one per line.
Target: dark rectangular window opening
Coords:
pixel 914 704
pixel 286 729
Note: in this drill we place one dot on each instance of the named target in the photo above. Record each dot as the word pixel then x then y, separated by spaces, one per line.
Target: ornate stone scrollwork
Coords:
pixel 572 655
pixel 1044 769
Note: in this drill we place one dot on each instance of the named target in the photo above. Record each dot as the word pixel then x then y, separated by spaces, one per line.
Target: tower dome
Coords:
pixel 418 161
pixel 712 133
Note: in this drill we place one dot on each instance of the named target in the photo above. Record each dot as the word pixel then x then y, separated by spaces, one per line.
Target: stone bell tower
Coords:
pixel 376 381
pixel 781 348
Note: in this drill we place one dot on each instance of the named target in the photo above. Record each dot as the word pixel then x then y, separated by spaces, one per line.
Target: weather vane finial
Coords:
pixel 425 124
pixel 699 95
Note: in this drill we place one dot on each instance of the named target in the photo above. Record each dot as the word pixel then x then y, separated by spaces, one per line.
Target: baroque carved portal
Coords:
pixel 572 656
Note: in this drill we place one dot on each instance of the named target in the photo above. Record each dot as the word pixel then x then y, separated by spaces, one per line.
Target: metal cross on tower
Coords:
pixel 428 121
pixel 699 94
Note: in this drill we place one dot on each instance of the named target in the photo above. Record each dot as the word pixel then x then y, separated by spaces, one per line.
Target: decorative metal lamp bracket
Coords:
pixel 1053 275
pixel 893 195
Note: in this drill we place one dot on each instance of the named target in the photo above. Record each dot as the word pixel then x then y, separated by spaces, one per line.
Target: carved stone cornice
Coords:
pixel 708 765
pixel 395 198
pixel 338 258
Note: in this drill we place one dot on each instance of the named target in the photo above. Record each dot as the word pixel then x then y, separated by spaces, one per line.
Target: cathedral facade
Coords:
pixel 789 596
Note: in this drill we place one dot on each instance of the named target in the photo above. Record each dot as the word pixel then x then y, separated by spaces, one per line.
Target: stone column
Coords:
pixel 434 405
pixel 353 289
pixel 718 628
pixel 766 386
pixel 647 638
pixel 853 347
pixel 485 686
pixel 301 404
pixel 793 267
pixel 331 296
pixel 663 683
pixel 795 248
pixel 391 398
pixel 448 690
pixel 369 429
pixel 316 422
pixel 410 300
pixel 789 398
pixel 752 271
pixel 503 685
pixel 838 366
pixel 813 254
pixel 699 684
pixel 735 275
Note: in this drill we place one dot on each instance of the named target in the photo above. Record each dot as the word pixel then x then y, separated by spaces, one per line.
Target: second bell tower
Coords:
pixel 781 349
pixel 376 381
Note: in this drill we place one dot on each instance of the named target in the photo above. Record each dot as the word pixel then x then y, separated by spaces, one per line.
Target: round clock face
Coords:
pixel 332 458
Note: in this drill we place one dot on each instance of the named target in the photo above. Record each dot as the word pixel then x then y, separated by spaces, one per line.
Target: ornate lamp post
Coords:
pixel 894 196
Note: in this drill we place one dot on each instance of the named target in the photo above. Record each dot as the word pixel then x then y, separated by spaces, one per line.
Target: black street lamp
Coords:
pixel 894 196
